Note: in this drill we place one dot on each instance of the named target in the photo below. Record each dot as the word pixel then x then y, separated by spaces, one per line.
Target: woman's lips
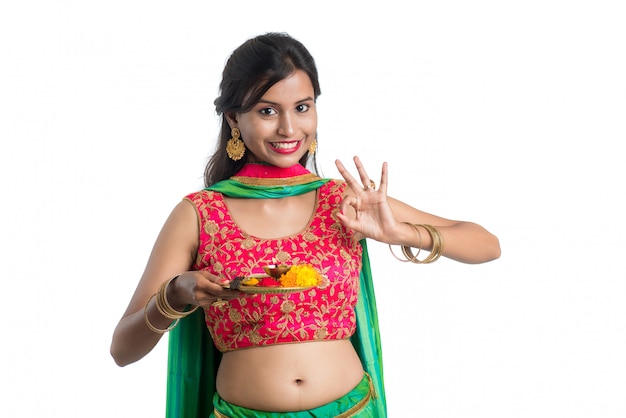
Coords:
pixel 285 147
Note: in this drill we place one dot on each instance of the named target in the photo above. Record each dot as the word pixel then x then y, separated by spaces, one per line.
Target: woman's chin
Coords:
pixel 283 161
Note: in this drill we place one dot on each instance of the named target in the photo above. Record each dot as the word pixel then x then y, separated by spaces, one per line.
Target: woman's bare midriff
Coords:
pixel 289 377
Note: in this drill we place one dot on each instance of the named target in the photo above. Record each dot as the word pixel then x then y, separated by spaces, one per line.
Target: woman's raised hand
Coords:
pixel 364 208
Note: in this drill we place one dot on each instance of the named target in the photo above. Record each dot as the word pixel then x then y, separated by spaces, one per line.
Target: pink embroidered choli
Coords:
pixel 321 313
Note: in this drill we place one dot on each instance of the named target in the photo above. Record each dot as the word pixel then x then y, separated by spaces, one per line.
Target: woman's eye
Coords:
pixel 302 108
pixel 268 111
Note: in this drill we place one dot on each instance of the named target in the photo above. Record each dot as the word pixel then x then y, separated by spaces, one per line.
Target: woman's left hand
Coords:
pixel 371 214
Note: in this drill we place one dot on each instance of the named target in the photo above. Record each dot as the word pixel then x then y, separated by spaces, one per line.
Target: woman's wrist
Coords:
pixel 165 308
pixel 415 236
pixel 173 294
pixel 431 240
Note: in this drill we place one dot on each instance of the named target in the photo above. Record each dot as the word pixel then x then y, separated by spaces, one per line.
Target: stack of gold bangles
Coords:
pixel 435 253
pixel 165 309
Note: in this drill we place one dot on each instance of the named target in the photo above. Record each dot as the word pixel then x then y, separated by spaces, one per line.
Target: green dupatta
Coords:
pixel 192 357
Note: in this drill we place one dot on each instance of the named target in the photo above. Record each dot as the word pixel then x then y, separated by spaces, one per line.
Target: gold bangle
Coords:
pixel 163 305
pixel 437 248
pixel 152 327
pixel 396 257
pixel 435 252
pixel 406 250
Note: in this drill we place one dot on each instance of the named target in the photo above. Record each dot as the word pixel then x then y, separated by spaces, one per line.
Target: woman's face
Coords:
pixel 279 129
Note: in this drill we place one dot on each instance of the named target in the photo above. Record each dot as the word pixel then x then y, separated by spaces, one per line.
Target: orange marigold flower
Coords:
pixel 303 275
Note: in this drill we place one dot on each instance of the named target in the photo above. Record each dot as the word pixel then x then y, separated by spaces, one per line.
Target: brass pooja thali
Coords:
pixel 266 283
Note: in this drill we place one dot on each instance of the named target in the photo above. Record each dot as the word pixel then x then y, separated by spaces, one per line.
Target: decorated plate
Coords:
pixel 271 289
pixel 254 284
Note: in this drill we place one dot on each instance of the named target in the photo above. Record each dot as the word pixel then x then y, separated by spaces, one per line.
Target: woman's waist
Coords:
pixel 289 377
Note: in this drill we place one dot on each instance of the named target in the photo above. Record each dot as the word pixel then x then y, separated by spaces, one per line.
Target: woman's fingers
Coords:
pixel 211 288
pixel 384 178
pixel 352 182
pixel 366 183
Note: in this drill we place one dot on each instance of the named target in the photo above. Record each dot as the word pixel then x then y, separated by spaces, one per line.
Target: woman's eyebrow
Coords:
pixel 264 101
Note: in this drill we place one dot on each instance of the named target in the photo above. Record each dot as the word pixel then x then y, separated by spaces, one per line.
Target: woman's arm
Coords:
pixel 466 242
pixel 173 254
pixel 372 214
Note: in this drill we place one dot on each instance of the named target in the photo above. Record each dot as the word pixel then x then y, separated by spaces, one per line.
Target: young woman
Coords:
pixel 313 352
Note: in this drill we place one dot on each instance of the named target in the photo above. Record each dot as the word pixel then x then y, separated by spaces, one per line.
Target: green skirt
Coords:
pixel 359 402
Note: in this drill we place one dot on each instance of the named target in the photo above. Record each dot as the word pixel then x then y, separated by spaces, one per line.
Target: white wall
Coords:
pixel 509 114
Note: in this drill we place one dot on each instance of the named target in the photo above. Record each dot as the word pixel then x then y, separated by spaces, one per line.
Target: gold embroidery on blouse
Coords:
pixel 211 228
pixel 287 307
pixel 282 257
pixel 234 315
pixel 321 333
pixel 247 243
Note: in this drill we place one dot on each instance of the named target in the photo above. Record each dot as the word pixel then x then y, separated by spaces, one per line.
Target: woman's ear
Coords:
pixel 231 118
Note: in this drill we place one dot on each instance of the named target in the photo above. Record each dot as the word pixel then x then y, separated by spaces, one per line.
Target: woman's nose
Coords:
pixel 285 127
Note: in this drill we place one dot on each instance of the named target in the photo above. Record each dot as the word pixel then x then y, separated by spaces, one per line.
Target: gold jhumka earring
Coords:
pixel 235 147
pixel 313 147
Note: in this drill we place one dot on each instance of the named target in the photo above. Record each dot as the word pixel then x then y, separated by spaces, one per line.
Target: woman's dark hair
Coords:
pixel 250 72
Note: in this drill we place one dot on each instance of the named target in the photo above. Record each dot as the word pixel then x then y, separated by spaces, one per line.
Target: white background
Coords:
pixel 508 114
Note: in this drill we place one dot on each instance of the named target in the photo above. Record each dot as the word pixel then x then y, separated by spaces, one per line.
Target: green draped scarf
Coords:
pixel 192 357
